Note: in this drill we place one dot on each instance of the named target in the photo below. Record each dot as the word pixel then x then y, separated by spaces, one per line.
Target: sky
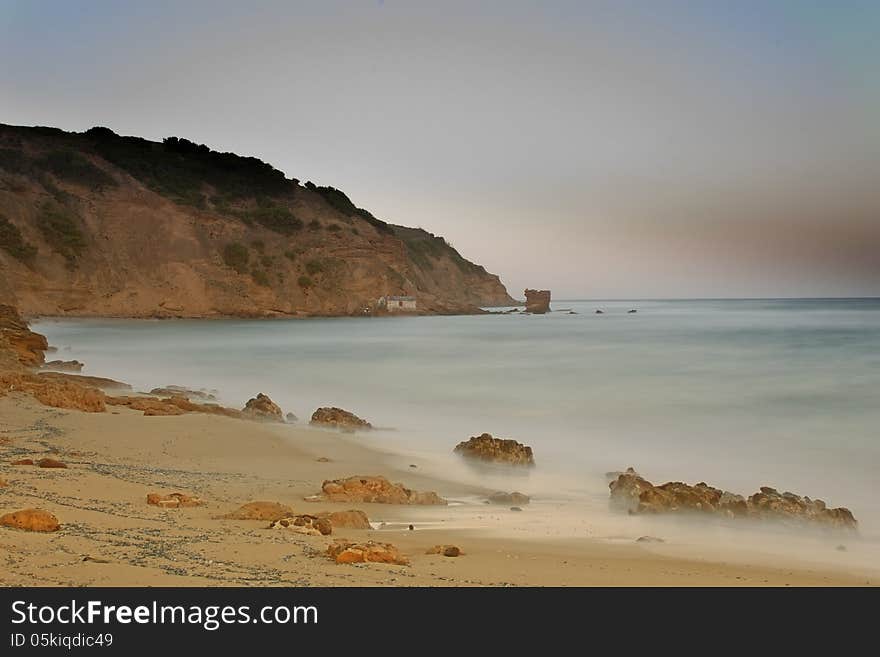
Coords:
pixel 620 149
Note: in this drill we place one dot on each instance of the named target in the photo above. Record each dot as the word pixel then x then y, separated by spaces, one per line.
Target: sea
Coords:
pixel 736 393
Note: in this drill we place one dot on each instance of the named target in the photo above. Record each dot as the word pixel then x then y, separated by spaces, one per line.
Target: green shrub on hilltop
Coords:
pixel 179 169
pixel 337 199
pixel 14 244
pixel 424 248
pixel 59 226
pixel 237 256
pixel 305 282
pixel 72 167
pixel 66 165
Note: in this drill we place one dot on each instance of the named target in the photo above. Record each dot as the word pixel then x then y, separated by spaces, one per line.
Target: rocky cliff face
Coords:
pixel 20 347
pixel 95 224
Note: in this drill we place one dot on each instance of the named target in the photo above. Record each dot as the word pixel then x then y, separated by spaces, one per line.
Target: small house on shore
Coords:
pixel 395 304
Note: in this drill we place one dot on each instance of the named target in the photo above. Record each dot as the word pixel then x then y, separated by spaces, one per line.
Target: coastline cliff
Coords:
pixel 95 224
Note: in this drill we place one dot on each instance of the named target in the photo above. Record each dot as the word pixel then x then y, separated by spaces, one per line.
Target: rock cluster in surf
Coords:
pixel 634 494
pixel 181 391
pixel 64 365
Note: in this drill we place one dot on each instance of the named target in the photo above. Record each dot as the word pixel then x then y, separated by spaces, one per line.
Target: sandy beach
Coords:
pixel 110 536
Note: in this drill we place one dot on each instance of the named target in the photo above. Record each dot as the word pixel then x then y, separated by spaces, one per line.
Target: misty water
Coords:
pixel 735 393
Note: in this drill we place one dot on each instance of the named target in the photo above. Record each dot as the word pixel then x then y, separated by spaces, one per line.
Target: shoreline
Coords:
pixel 116 458
pixel 274 315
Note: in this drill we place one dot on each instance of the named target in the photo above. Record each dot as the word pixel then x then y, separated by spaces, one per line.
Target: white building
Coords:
pixel 398 304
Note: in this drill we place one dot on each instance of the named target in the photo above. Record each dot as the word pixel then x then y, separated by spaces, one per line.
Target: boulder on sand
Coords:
pixel 305 524
pixel 173 501
pixel 100 382
pixel 262 408
pixel 58 393
pixel 151 406
pixel 330 416
pixel 496 450
pixel 378 490
pixel 32 520
pixel 345 551
pixel 175 405
pixel 351 519
pixel 51 463
pixel 260 510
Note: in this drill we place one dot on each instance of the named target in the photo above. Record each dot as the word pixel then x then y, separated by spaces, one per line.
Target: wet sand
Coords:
pixel 110 536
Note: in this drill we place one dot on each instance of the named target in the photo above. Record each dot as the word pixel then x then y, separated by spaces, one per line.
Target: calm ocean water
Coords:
pixel 737 393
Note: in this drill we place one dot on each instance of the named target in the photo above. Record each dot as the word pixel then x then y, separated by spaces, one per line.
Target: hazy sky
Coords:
pixel 601 149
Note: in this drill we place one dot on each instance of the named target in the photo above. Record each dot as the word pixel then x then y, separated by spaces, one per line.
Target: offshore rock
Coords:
pixel 498 450
pixel 262 408
pixel 330 416
pixel 537 301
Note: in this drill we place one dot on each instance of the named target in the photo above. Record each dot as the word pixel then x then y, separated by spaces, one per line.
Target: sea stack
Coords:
pixel 537 301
